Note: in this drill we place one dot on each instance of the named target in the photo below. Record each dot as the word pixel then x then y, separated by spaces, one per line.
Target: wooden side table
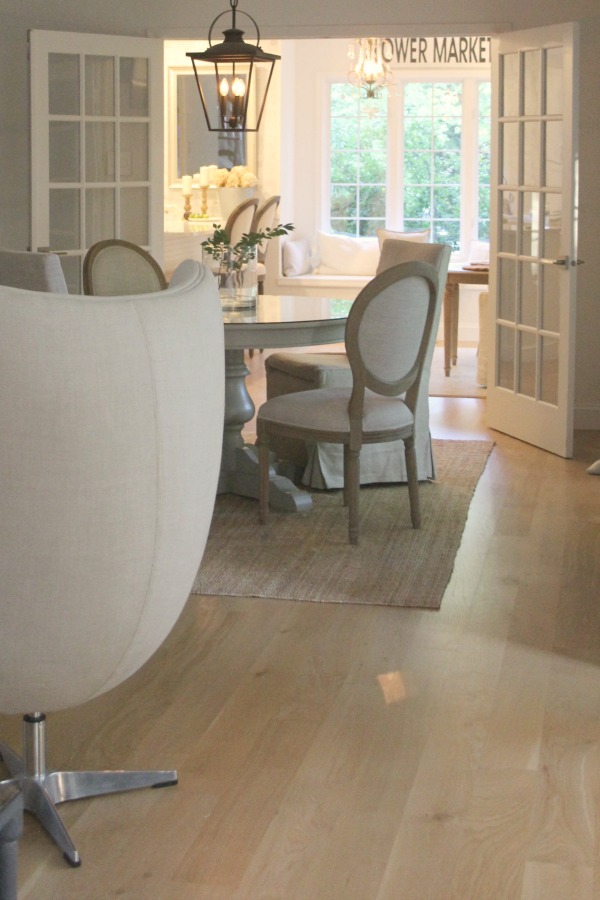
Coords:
pixel 457 275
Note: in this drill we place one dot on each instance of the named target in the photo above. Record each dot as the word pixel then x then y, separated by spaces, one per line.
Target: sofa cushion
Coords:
pixel 296 258
pixel 347 255
pixel 421 237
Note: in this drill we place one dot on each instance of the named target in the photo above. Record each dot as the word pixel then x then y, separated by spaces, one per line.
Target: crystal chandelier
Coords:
pixel 369 72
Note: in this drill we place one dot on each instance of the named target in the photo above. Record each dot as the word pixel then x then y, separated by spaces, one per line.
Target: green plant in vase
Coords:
pixel 234 265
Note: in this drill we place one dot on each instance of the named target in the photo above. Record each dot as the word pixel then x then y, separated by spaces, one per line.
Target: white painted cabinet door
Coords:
pixel 96 143
pixel 534 237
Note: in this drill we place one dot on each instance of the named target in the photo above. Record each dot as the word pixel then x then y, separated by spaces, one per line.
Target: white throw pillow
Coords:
pixel 421 237
pixel 296 258
pixel 348 255
pixel 480 253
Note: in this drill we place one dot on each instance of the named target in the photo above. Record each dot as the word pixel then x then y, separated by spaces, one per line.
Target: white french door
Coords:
pixel 534 236
pixel 96 143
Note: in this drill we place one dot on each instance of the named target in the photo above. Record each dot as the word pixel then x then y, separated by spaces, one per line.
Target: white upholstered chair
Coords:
pixel 32 271
pixel 264 217
pixel 116 267
pixel 288 372
pixel 387 335
pixel 11 827
pixel 112 412
pixel 239 220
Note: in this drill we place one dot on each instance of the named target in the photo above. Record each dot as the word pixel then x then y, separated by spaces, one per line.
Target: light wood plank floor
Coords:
pixel 333 752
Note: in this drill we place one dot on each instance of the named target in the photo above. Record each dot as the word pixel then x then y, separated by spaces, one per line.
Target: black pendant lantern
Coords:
pixel 226 106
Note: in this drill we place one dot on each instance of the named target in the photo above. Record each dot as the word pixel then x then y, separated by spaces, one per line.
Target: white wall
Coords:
pixel 316 19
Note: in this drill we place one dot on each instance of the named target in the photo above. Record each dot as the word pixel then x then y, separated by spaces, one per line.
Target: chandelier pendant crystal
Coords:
pixel 369 72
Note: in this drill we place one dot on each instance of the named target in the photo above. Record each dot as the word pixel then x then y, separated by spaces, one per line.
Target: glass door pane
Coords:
pixel 95 119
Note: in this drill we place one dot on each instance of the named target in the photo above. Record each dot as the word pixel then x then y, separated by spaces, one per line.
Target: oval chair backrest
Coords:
pixel 389 327
pixel 240 219
pixel 264 217
pixel 108 477
pixel 117 268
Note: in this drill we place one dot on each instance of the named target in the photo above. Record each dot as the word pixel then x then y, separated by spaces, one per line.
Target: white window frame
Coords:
pixel 470 77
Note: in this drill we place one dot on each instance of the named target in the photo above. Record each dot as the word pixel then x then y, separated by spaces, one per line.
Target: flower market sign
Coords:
pixel 440 51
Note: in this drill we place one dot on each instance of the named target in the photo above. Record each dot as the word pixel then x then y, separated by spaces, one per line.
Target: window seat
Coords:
pixel 313 284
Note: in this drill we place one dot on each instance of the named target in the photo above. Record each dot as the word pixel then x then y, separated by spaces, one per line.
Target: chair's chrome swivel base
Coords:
pixel 42 790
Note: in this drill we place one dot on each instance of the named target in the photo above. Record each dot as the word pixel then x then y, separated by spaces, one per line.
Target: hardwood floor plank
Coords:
pixel 332 752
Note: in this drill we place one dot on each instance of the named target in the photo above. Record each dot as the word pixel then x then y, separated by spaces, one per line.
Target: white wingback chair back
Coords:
pixel 32 271
pixel 112 412
pixel 111 445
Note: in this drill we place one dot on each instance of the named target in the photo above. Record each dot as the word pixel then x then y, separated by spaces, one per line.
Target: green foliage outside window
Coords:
pixel 358 162
pixel 430 160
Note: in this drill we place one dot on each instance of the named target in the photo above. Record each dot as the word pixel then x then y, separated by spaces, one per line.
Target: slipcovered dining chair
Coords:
pixel 109 458
pixel 32 271
pixel 387 335
pixel 116 267
pixel 264 217
pixel 286 372
pixel 240 219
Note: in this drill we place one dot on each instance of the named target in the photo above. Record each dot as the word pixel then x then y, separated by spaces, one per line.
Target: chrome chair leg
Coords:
pixel 11 827
pixel 42 790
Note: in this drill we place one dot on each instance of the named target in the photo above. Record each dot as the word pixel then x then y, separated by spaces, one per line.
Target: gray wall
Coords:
pixel 313 18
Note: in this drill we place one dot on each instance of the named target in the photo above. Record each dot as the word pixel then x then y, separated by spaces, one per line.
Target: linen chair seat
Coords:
pixel 321 462
pixel 326 411
pixel 388 333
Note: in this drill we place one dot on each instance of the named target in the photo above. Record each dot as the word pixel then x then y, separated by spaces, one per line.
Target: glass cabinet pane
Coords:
pixel 99 151
pixel 510 84
pixel 63 151
pixel 133 86
pixel 65 217
pixel 99 86
pixel 99 215
pixel 135 215
pixel 63 84
pixel 134 152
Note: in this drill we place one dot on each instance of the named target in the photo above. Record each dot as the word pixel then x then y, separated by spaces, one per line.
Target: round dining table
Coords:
pixel 275 322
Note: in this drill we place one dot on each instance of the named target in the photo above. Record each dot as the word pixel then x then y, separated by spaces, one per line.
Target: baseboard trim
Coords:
pixel 587 418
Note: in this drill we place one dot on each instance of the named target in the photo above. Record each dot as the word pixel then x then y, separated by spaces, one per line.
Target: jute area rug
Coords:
pixel 306 556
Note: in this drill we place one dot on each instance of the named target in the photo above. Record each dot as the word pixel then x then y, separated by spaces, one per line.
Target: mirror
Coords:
pixel 189 142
